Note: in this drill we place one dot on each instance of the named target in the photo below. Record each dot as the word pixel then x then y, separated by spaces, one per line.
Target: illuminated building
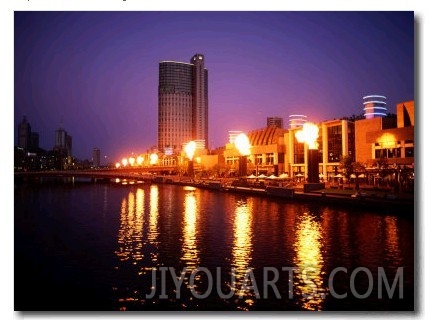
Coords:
pixel 267 151
pixel 391 138
pixel 374 106
pixel 336 138
pixel 182 104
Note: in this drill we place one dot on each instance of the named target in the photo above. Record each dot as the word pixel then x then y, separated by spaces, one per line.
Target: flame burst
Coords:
pixel 190 149
pixel 153 158
pixel 308 134
pixel 242 143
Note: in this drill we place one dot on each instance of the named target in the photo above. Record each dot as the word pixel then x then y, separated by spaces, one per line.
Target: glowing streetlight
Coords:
pixel 131 160
pixel 117 165
pixel 243 146
pixel 124 162
pixel 153 159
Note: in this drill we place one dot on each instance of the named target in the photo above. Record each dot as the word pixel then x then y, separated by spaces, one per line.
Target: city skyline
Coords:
pixel 97 72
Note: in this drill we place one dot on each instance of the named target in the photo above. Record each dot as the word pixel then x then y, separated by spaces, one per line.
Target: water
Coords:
pixel 113 247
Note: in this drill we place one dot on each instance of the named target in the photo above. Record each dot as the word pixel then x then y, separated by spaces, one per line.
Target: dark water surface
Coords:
pixel 114 247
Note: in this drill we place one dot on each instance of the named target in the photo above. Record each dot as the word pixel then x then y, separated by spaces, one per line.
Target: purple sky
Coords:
pixel 96 73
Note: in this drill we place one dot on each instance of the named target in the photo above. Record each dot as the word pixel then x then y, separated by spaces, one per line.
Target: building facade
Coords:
pixel 388 138
pixel 267 152
pixel 336 138
pixel 182 104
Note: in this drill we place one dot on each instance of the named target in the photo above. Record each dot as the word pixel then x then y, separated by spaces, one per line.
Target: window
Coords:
pixel 409 152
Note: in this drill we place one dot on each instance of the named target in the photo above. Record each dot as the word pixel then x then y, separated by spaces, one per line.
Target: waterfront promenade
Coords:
pixel 368 196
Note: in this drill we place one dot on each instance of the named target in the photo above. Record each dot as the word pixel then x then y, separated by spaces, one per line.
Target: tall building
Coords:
pixel 63 142
pixel 182 104
pixel 96 157
pixel 374 106
pixel 24 134
pixel 27 140
pixel 276 122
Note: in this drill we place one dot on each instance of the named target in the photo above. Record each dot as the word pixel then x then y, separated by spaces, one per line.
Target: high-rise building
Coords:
pixel 374 106
pixel 182 104
pixel 63 142
pixel 24 134
pixel 96 157
pixel 27 140
pixel 276 122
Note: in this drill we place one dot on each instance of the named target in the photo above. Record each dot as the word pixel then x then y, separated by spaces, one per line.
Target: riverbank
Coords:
pixel 367 197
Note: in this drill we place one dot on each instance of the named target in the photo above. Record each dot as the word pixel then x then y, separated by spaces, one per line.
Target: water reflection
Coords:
pixel 189 248
pixel 392 242
pixel 153 232
pixel 310 262
pixel 130 234
pixel 242 249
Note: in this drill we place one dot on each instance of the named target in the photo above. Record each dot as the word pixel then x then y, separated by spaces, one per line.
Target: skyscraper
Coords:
pixel 96 157
pixel 182 104
pixel 27 140
pixel 24 134
pixel 63 142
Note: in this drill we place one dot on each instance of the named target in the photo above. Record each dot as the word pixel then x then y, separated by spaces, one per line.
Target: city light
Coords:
pixel 117 165
pixel 308 134
pixel 131 160
pixel 242 143
pixel 153 158
pixel 139 160
pixel 124 162
pixel 190 149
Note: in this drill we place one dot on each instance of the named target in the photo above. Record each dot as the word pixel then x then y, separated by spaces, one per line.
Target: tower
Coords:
pixel 374 106
pixel 24 134
pixel 182 104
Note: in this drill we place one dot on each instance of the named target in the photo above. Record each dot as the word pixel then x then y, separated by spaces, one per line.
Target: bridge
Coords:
pixel 144 173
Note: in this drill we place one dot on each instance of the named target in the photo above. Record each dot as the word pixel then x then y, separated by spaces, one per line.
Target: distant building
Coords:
pixel 182 104
pixel 27 140
pixel 34 141
pixel 24 134
pixel 374 106
pixel 276 122
pixel 63 142
pixel 297 120
pixel 96 157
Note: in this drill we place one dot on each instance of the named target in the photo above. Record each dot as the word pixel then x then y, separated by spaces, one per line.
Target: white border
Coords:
pixel 7 7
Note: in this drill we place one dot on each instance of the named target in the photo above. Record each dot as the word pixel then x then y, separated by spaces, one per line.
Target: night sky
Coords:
pixel 96 73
